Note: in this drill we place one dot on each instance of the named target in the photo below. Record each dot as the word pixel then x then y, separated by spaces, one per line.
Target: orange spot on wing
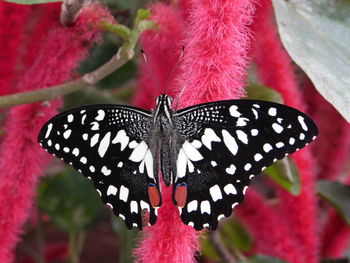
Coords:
pixel 153 195
pixel 181 195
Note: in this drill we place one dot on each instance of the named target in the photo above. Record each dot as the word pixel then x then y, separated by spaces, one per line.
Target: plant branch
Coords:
pixel 224 252
pixel 124 54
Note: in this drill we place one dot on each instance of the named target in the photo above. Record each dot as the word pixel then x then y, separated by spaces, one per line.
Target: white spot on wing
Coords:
pixel 94 140
pixel 149 164
pixel 234 111
pixel 181 164
pixel 192 206
pixel 230 142
pixel 133 144
pixel 242 122
pixel 112 190
pixel 83 160
pixel 95 126
pixel 104 144
pixel 205 207
pixel 278 128
pixel 242 136
pixel 215 193
pixel 230 189
pixel 144 205
pixel 196 144
pixel 48 131
pixel 70 118
pixel 121 138
pixel 120 164
pixel 247 167
pixel 67 133
pixel 105 171
pixel 302 123
pixel 255 113
pixel 258 157
pixel 138 154
pixel 101 115
pixel 254 132
pixel 213 163
pixel 272 111
pixel 83 119
pixel 133 207
pixel 267 147
pixel 245 189
pixel 291 141
pixel 221 217
pixel 279 144
pixel 192 153
pixel 123 193
pixel 209 137
pixel 85 136
pixel 231 169
pixel 190 166
pixel 75 152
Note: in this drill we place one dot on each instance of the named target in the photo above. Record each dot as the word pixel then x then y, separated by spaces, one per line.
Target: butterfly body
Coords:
pixel 208 153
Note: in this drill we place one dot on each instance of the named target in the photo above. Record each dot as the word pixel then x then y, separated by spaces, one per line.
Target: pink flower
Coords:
pixel 21 160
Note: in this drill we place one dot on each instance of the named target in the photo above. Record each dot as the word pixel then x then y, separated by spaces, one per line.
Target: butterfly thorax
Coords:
pixel 163 117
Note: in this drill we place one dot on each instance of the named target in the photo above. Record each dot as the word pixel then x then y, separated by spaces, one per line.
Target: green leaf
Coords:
pixel 71 201
pixel 32 2
pixel 318 41
pixel 260 92
pixel 234 233
pixel 338 195
pixel 262 259
pixel 285 173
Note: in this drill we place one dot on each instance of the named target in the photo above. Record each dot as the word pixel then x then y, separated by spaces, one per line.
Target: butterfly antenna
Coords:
pixel 155 80
pixel 174 68
pixel 179 96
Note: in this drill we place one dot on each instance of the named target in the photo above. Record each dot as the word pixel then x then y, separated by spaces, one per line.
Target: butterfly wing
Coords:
pixel 112 146
pixel 222 145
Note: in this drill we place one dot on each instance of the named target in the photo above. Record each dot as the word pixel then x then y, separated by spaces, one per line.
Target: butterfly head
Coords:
pixel 164 101
pixel 163 115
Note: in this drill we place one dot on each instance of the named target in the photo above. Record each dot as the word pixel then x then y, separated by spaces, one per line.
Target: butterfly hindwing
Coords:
pixel 224 144
pixel 111 145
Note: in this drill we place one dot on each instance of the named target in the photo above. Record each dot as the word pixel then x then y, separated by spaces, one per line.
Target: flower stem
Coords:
pixel 76 242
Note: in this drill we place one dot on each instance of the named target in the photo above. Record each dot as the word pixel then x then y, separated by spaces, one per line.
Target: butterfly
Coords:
pixel 208 153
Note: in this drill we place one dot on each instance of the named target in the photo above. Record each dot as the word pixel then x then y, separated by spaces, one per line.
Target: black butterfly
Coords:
pixel 208 152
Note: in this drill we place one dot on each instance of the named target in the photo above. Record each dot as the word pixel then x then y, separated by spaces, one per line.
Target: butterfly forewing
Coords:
pixel 224 144
pixel 112 146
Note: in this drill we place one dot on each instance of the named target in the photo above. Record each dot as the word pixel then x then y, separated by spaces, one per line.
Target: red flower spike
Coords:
pixel 334 140
pixel 213 67
pixel 271 233
pixel 275 70
pixel 162 49
pixel 13 20
pixel 214 64
pixel 160 243
pixel 21 160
